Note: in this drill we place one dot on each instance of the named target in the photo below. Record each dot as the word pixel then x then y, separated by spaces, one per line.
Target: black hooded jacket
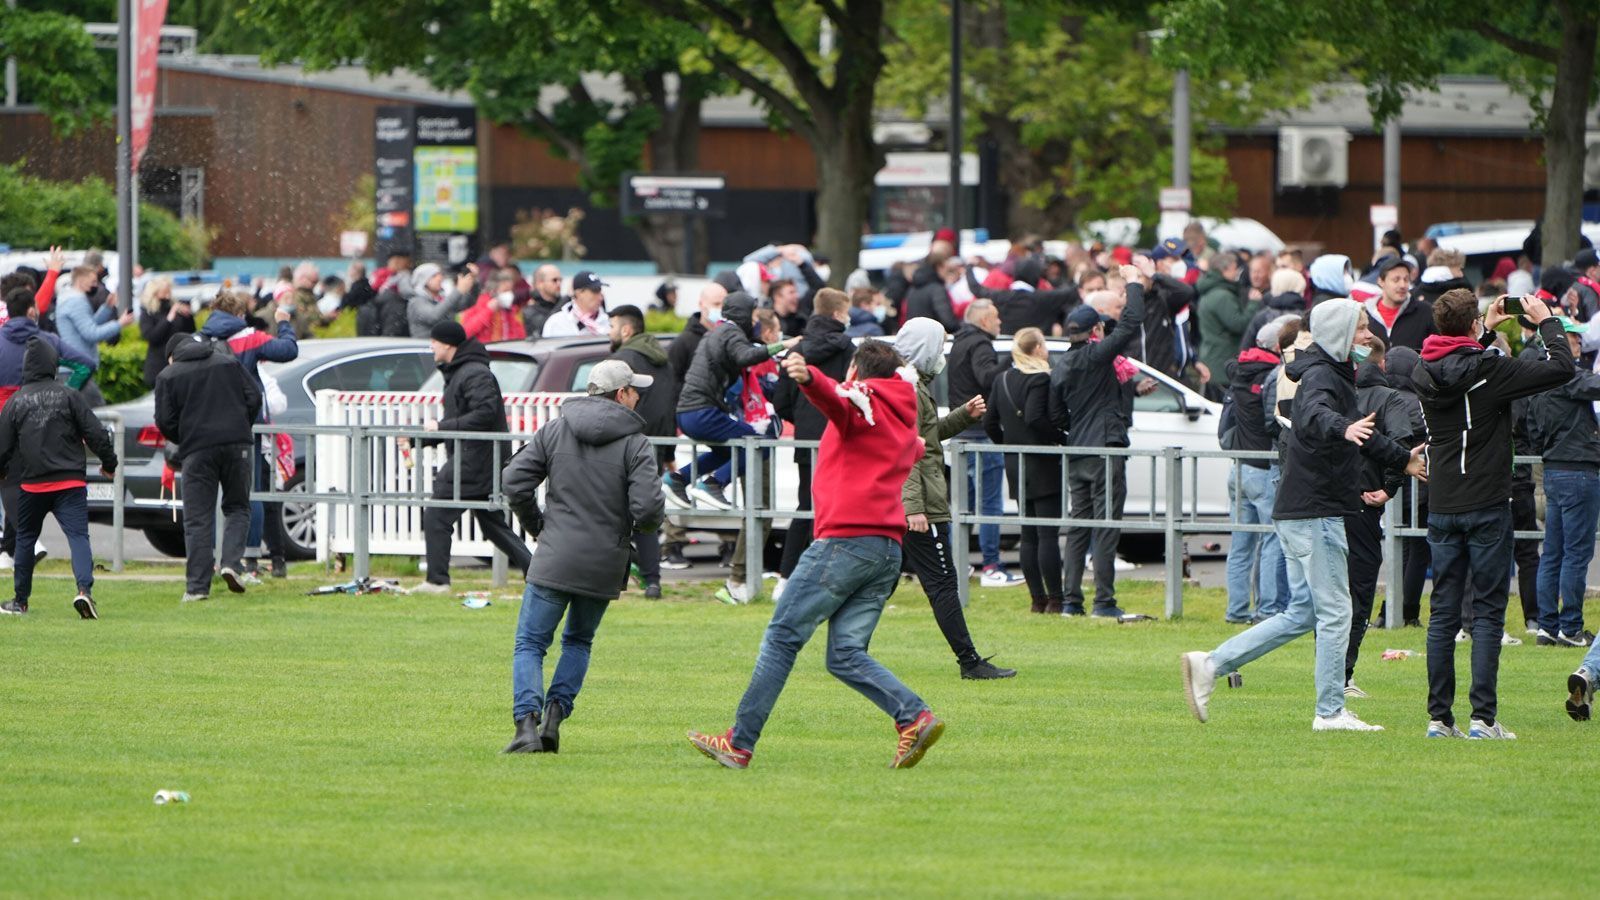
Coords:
pixel 1321 469
pixel 929 299
pixel 1156 346
pixel 1086 399
pixel 205 399
pixel 974 364
pixel 826 346
pixel 472 402
pixel 1466 402
pixel 1398 418
pixel 1247 381
pixel 680 353
pixel 1561 426
pixel 45 425
pixel 726 352
pixel 1021 309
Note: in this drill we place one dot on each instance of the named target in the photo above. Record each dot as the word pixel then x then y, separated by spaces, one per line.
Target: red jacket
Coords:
pixel 486 322
pixel 862 466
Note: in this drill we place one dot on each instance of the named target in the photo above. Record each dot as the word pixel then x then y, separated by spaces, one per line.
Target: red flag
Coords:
pixel 151 15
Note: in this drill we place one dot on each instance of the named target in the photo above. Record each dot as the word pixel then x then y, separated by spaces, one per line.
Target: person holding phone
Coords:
pixel 161 317
pixel 1466 391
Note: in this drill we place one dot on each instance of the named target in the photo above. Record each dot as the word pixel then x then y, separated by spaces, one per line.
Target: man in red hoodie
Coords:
pixel 847 574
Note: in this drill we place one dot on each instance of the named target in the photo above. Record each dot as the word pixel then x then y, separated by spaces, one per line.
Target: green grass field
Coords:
pixel 350 746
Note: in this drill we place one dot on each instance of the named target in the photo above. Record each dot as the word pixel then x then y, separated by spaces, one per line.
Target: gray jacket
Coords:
pixel 423 312
pixel 602 487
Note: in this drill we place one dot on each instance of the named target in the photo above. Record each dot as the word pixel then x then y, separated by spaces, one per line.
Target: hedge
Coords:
pixel 37 214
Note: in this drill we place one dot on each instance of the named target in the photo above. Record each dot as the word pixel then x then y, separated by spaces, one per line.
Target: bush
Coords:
pixel 663 321
pixel 121 372
pixel 36 214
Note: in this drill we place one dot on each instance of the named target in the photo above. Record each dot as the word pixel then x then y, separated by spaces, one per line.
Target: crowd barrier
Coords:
pixel 119 438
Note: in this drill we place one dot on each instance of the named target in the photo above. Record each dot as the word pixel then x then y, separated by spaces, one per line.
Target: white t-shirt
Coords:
pixel 564 322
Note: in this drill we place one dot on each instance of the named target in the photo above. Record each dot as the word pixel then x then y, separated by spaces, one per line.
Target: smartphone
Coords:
pixel 1513 306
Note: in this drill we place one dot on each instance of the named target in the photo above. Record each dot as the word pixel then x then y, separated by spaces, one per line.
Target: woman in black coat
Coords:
pixel 159 320
pixel 1019 415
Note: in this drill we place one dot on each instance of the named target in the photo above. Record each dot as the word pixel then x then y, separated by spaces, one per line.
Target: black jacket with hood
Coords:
pixel 1411 327
pixel 680 353
pixel 1019 414
pixel 1025 307
pixel 1276 306
pixel 205 399
pixel 974 364
pixel 658 403
pixel 1322 470
pixel 726 351
pixel 472 402
pixel 826 346
pixel 1157 346
pixel 1247 382
pixel 1466 402
pixel 929 299
pixel 601 488
pixel 1561 425
pixel 45 425
pixel 1086 399
pixel 1397 419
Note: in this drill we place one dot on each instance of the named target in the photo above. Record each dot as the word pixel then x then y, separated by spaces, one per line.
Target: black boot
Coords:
pixel 983 670
pixel 550 734
pixel 280 567
pixel 527 739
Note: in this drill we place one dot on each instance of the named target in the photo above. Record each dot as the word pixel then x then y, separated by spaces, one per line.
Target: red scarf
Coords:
pixel 1438 346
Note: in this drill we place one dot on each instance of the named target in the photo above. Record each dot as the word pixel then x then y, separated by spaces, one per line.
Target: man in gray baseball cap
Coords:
pixel 601 488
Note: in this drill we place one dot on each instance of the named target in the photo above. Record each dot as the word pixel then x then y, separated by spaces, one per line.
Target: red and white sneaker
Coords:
pixel 720 748
pixel 916 738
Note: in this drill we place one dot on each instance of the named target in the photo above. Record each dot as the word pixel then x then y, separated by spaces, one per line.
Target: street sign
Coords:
pixel 1176 199
pixel 684 195
pixel 1385 216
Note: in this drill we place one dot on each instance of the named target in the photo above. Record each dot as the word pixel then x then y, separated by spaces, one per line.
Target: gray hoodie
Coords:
pixel 601 487
pixel 423 311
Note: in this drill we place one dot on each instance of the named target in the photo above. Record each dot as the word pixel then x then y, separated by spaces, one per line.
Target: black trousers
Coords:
pixel 1472 552
pixel 647 546
pixel 1086 479
pixel 1364 533
pixel 1525 517
pixel 929 553
pixel 438 527
pixel 205 473
pixel 798 537
pixel 1041 548
pixel 1415 556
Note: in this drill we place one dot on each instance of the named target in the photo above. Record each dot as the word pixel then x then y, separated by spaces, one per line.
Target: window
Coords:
pixel 1163 399
pixel 580 376
pixel 379 372
pixel 514 373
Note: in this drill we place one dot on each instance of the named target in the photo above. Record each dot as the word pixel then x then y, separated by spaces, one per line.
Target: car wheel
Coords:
pixel 296 523
pixel 1142 547
pixel 166 541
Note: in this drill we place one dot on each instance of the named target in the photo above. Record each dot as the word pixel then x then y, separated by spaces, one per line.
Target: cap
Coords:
pixel 1385 265
pixel 945 234
pixel 587 281
pixel 1083 318
pixel 449 332
pixel 1171 248
pixel 613 375
pixel 1586 259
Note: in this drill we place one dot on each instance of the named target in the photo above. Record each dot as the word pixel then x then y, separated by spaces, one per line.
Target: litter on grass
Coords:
pixel 163 797
pixel 476 599
pixel 1399 654
pixel 360 586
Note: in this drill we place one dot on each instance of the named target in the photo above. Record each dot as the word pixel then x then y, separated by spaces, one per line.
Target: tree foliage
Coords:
pixel 39 213
pixel 58 68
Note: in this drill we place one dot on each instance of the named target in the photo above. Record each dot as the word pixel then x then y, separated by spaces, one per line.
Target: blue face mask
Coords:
pixel 714 316
pixel 1359 353
pixel 880 313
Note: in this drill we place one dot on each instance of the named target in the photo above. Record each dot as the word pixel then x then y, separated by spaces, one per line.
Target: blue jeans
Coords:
pixel 844 582
pixel 542 609
pixel 1319 586
pixel 1591 660
pixel 1572 504
pixel 711 424
pixel 1251 495
pixel 993 500
pixel 1471 558
pixel 71 508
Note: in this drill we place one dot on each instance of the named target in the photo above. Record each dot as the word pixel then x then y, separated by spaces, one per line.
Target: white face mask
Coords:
pixel 1179 269
pixel 505 299
pixel 714 315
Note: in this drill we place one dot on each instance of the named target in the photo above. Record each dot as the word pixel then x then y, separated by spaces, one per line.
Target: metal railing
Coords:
pixel 119 442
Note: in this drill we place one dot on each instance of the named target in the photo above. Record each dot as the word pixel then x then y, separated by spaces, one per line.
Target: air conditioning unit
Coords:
pixel 1591 160
pixel 1313 157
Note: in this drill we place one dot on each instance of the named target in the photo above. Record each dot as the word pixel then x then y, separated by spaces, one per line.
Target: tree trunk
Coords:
pixel 847 161
pixel 674 147
pixel 663 238
pixel 1564 148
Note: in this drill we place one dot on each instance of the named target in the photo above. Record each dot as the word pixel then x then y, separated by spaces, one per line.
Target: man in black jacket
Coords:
pixel 601 490
pixel 1024 305
pixel 1561 428
pixel 1163 341
pixel 680 353
pixel 929 296
pixel 1394 315
pixel 1321 473
pixel 43 430
pixel 544 301
pixel 472 402
pixel 657 402
pixel 1087 390
pixel 824 345
pixel 206 404
pixel 1466 395
pixel 973 367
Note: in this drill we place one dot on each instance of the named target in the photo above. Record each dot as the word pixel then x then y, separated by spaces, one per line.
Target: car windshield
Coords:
pixel 515 374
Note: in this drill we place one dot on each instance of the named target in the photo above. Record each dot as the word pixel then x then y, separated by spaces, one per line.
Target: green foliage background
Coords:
pixel 36 213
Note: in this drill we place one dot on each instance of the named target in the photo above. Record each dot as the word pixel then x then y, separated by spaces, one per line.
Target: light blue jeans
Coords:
pixel 1251 494
pixel 1591 661
pixel 1319 597
pixel 992 503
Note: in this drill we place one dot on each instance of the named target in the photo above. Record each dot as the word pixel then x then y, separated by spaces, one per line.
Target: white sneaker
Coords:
pixel 1350 690
pixel 1438 729
pixel 195 598
pixel 1462 637
pixel 40 551
pixel 1495 732
pixel 1506 640
pixel 777 589
pixel 998 577
pixel 429 587
pixel 1121 565
pixel 1533 626
pixel 6 562
pixel 1344 721
pixel 738 590
pixel 1199 679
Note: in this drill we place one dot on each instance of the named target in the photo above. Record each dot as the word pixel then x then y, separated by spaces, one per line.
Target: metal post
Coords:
pixel 497 560
pixel 1181 128
pixel 118 443
pixel 1393 555
pixel 11 71
pixel 360 524
pixel 754 547
pixel 125 199
pixel 1391 162
pixel 1174 537
pixel 960 533
pixel 954 138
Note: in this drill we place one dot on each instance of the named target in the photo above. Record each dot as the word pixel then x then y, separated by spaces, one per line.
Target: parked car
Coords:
pixel 1485 243
pixel 372 364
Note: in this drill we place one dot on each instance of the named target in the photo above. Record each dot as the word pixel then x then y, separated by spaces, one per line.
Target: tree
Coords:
pixel 1101 147
pixel 1546 48
pixel 766 47
pixel 57 66
pixel 506 53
